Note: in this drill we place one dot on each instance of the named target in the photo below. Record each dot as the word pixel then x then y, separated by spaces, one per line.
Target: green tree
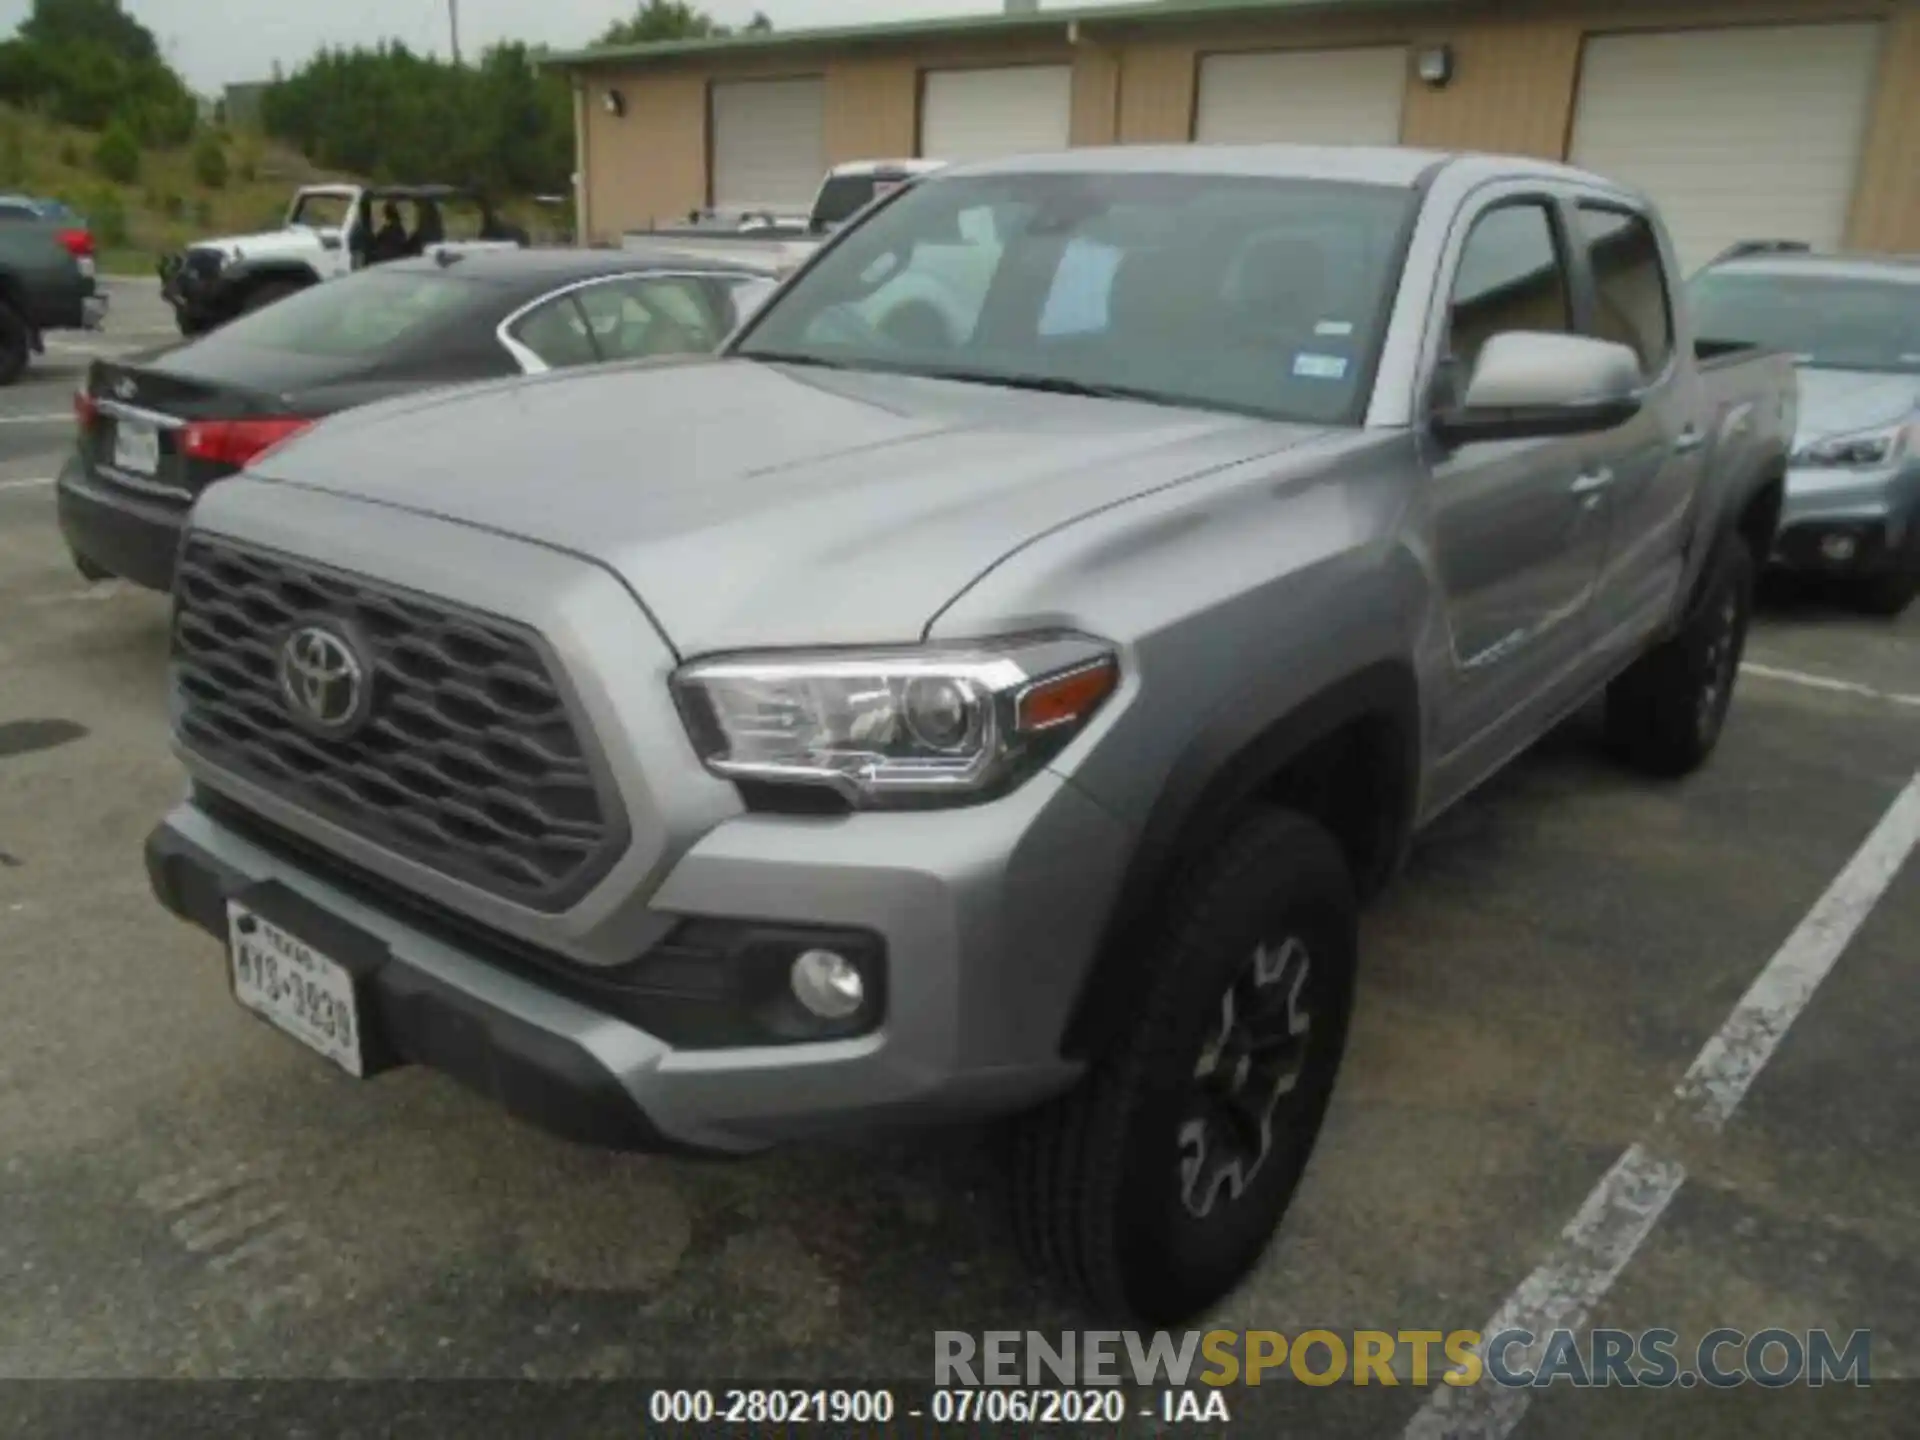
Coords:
pixel 90 63
pixel 117 155
pixel 667 20
pixel 210 160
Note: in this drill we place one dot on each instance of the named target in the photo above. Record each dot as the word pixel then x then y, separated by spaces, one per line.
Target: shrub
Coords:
pixel 210 160
pixel 69 154
pixel 107 216
pixel 13 155
pixel 203 213
pixel 117 156
pixel 172 206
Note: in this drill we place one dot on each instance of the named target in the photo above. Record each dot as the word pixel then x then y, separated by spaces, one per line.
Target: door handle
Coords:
pixel 1590 483
pixel 1688 441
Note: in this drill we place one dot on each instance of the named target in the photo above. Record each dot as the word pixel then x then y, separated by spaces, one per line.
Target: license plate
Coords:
pixel 87 266
pixel 136 447
pixel 286 981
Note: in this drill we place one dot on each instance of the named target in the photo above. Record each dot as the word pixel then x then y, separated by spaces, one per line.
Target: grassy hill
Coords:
pixel 168 204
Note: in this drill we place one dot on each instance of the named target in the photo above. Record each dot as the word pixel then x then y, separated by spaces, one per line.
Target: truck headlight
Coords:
pixel 915 726
pixel 1863 450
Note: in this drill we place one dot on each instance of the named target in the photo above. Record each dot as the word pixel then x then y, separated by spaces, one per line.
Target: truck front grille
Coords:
pixel 469 758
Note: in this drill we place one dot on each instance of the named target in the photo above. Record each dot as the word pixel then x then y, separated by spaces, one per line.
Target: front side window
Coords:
pixel 1227 292
pixel 1511 276
pixel 1630 284
pixel 1826 322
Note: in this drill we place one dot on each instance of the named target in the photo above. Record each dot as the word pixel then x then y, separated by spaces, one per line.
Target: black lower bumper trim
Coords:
pixel 125 535
pixel 1799 547
pixel 544 1079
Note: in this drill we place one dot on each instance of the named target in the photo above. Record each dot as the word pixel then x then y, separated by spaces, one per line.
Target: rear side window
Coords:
pixel 1630 285
pixel 557 332
pixel 1511 276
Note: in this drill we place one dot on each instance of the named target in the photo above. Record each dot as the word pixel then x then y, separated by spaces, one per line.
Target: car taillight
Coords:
pixel 77 243
pixel 236 442
pixel 85 409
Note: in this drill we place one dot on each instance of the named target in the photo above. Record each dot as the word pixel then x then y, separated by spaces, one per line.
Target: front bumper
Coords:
pixel 1848 523
pixel 133 536
pixel 93 312
pixel 985 951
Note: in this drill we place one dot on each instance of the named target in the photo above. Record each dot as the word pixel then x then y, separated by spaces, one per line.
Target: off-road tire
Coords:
pixel 1666 713
pixel 16 345
pixel 1103 1193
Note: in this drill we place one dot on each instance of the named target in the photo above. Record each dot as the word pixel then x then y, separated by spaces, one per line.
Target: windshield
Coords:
pixel 842 196
pixel 320 212
pixel 358 315
pixel 1224 292
pixel 1824 321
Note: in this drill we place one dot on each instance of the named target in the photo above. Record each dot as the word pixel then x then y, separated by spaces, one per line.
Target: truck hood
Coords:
pixel 294 241
pixel 1838 402
pixel 752 504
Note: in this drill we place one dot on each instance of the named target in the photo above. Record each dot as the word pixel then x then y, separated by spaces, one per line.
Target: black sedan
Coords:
pixel 156 430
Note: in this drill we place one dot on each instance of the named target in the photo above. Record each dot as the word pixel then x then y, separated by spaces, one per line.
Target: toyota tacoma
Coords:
pixel 887 721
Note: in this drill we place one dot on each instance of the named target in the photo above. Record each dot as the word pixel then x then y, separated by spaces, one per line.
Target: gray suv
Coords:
pixel 988 687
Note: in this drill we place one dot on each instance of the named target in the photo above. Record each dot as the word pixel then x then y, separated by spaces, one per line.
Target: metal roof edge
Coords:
pixel 992 22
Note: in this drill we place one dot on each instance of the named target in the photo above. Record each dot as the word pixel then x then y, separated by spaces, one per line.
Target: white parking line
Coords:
pixel 1627 1203
pixel 1826 682
pixel 64 415
pixel 25 484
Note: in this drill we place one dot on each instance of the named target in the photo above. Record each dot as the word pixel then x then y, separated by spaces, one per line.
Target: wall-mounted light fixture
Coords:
pixel 614 103
pixel 1434 64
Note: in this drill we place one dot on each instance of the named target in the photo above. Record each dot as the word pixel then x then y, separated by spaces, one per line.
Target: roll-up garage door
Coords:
pixel 769 151
pixel 1010 110
pixel 1738 134
pixel 1308 97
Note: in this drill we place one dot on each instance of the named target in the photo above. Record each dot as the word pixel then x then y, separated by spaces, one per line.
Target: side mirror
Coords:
pixel 1528 384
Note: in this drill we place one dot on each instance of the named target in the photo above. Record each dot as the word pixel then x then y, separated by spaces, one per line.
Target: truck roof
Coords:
pixel 1901 269
pixel 1366 164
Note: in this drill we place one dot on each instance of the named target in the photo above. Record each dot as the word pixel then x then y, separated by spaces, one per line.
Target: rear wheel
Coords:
pixel 1153 1188
pixel 16 344
pixel 1665 714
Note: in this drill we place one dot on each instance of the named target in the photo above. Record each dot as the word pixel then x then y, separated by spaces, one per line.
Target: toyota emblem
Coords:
pixel 125 388
pixel 323 681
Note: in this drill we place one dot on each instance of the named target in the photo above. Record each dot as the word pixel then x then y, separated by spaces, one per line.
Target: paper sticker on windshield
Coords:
pixel 1334 327
pixel 1309 366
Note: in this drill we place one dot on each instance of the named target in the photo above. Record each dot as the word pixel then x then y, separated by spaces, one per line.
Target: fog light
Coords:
pixel 1838 548
pixel 828 984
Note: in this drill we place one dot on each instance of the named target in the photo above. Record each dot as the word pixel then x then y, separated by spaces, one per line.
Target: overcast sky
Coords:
pixel 213 42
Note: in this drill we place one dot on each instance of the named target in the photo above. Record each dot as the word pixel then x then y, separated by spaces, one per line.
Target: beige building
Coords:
pixel 1793 119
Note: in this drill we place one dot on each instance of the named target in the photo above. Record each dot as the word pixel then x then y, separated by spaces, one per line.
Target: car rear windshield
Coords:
pixel 1225 292
pixel 372 311
pixel 1829 322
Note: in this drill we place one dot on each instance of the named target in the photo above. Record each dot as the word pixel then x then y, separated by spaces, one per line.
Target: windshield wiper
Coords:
pixel 782 357
pixel 1054 385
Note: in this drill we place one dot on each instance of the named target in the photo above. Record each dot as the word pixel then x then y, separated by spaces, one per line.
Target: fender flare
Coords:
pixel 239 280
pixel 1222 771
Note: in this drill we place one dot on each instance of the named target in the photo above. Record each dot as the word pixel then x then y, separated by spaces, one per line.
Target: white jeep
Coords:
pixel 330 231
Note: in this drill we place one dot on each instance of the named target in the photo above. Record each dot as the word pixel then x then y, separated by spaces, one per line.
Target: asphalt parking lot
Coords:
pixel 189 1194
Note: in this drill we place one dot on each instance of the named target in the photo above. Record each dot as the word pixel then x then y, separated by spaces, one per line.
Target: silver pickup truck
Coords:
pixel 900 718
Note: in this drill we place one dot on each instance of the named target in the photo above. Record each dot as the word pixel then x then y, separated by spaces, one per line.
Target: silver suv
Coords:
pixel 988 687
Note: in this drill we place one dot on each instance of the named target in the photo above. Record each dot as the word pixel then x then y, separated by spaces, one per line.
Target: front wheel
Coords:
pixel 1154 1187
pixel 1665 714
pixel 16 345
pixel 1893 590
